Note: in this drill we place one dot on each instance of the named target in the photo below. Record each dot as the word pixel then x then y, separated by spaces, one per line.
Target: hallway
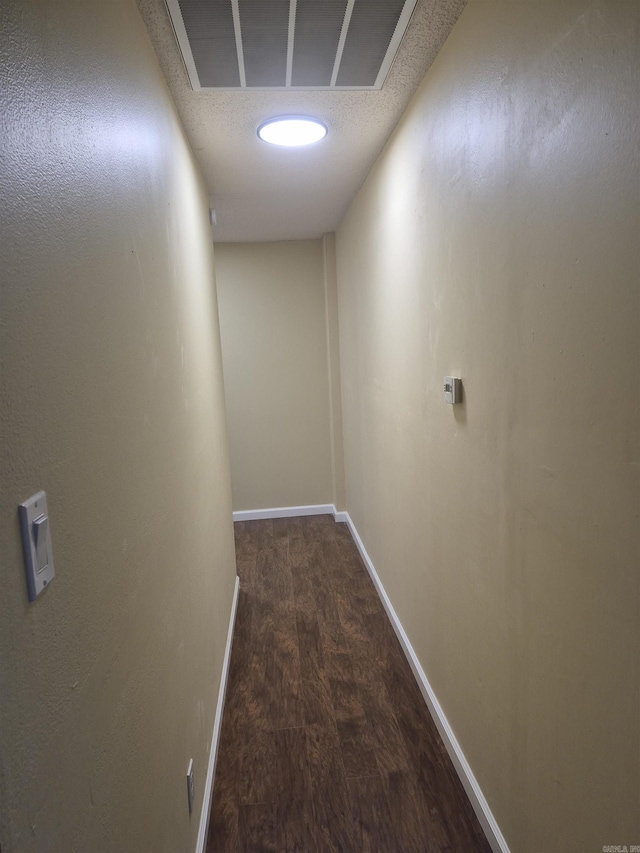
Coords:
pixel 198 326
pixel 326 741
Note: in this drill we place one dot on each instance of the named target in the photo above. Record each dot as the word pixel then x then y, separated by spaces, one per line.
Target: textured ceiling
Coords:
pixel 262 192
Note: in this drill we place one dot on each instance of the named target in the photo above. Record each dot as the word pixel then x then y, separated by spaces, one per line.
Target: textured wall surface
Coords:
pixel 111 401
pixel 497 239
pixel 274 347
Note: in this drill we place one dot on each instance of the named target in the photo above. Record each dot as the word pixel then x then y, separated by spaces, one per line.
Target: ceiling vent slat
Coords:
pixel 318 28
pixel 265 37
pixel 209 27
pixel 238 35
pixel 372 26
pixel 291 38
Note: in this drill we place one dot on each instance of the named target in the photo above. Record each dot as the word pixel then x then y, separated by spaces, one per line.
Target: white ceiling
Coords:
pixel 262 192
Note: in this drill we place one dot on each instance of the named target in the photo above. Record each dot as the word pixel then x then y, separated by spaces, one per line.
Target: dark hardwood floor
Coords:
pixel 326 742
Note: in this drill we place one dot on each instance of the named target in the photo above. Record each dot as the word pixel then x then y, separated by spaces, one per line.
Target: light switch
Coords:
pixel 36 544
pixel 40 537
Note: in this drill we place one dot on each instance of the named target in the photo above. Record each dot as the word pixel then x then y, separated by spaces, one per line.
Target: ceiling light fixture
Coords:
pixel 292 130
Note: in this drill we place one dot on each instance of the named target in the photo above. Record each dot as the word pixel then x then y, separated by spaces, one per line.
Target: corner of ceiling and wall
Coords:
pixel 261 194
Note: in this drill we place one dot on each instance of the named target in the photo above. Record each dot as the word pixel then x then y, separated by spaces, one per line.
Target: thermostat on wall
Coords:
pixel 452 388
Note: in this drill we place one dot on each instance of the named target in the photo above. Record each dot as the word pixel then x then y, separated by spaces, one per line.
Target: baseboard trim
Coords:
pixel 471 786
pixel 217 725
pixel 283 512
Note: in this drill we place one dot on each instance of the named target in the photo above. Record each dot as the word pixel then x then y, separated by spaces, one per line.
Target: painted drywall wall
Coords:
pixel 496 239
pixel 112 401
pixel 274 350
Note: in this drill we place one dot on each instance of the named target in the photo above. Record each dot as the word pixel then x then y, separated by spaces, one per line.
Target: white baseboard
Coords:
pixel 471 786
pixel 341 516
pixel 217 725
pixel 284 512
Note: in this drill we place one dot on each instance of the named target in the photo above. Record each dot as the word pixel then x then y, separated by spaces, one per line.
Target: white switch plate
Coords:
pixel 36 544
pixel 452 390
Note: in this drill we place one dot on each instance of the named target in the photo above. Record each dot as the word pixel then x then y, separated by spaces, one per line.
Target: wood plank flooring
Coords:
pixel 326 742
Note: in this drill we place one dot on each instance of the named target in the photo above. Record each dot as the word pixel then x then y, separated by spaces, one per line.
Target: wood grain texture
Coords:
pixel 326 742
pixel 257 828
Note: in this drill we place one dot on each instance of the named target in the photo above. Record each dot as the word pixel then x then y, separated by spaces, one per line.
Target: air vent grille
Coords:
pixel 289 44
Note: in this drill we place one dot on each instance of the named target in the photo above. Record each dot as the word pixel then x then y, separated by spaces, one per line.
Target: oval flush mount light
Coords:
pixel 292 130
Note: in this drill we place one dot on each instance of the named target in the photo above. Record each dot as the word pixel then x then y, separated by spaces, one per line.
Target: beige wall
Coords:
pixel 333 366
pixel 111 401
pixel 274 347
pixel 497 239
